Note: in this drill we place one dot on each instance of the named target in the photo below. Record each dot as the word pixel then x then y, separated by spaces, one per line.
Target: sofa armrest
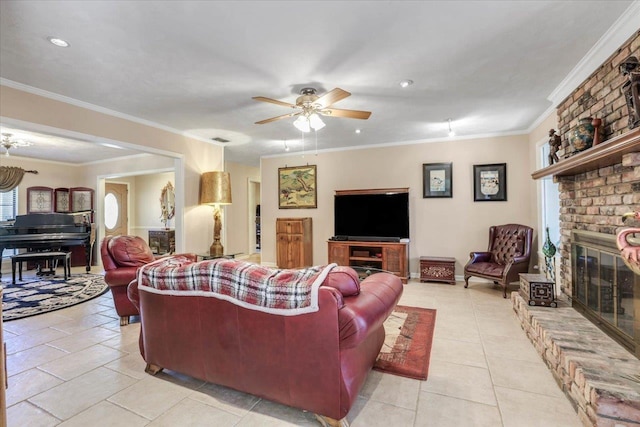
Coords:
pixel 479 257
pixel 367 311
pixel 132 293
pixel 520 260
pixel 188 255
pixel 344 279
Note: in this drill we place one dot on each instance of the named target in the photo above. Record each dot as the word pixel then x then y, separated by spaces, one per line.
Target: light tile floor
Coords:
pixel 78 367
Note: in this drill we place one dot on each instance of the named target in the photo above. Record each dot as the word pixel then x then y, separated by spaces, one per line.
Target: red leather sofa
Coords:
pixel 315 361
pixel 121 258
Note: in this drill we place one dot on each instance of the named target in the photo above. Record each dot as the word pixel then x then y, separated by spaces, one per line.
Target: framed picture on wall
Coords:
pixel 39 200
pixel 490 183
pixel 297 187
pixel 437 180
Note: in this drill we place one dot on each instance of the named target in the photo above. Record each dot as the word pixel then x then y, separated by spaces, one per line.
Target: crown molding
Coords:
pixel 82 104
pixel 621 30
pixel 313 152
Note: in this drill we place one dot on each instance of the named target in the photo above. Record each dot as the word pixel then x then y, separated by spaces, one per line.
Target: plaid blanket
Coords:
pixel 284 292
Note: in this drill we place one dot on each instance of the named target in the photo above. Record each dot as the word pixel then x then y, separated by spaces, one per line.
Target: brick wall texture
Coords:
pixel 595 200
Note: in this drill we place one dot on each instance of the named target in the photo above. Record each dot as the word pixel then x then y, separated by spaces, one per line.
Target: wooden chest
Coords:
pixel 162 241
pixel 536 289
pixel 438 269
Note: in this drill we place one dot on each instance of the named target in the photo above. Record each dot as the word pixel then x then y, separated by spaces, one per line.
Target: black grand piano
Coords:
pixel 47 231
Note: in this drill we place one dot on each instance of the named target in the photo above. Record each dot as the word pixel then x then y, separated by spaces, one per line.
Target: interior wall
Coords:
pixel 237 215
pixel 147 202
pixel 49 175
pixel 438 226
pixel 197 156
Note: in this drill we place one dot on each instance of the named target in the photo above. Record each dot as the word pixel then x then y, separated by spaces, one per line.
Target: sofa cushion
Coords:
pixel 130 251
pixel 485 269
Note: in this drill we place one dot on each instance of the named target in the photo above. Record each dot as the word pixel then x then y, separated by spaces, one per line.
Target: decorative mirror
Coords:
pixel 167 204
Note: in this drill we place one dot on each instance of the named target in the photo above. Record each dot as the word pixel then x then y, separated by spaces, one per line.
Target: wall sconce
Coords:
pixel 215 190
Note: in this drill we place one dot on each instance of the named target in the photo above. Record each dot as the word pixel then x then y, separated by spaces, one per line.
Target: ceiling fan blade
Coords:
pixel 274 101
pixel 273 119
pixel 349 114
pixel 331 97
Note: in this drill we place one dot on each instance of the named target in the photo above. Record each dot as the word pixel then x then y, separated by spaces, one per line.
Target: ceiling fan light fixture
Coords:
pixel 316 122
pixel 7 143
pixel 302 124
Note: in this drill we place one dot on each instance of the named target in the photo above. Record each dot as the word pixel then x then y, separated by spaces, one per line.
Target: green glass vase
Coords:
pixel 548 249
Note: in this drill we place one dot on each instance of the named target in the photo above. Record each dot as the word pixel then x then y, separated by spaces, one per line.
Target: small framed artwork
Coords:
pixel 437 180
pixel 490 183
pixel 39 200
pixel 297 187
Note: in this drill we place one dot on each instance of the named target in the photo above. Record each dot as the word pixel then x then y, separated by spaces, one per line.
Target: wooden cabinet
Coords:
pixel 162 241
pixel 389 256
pixel 294 242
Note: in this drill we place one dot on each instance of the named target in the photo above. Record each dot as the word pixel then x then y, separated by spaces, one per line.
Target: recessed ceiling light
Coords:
pixel 358 131
pixel 406 83
pixel 58 42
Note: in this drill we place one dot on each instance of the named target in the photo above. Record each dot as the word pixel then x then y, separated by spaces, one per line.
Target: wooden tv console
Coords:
pixel 389 256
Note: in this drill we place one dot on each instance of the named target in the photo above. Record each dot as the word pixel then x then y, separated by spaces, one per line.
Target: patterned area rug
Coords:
pixel 41 295
pixel 407 346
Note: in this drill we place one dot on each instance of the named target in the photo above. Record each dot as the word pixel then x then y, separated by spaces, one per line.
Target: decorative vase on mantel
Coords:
pixel 581 136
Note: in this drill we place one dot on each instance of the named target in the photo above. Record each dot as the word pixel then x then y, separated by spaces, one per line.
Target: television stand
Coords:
pixel 389 256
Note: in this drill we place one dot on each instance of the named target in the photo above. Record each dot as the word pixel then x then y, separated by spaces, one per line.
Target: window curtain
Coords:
pixel 11 177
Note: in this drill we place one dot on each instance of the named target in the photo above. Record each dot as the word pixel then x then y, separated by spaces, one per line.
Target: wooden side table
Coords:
pixel 438 269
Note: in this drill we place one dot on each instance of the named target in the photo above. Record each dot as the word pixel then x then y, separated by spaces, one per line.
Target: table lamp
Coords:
pixel 215 190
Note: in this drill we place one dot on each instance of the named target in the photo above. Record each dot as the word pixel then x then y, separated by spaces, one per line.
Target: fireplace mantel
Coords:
pixel 605 154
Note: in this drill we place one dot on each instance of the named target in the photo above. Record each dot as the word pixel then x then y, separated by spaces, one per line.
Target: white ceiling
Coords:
pixel 490 66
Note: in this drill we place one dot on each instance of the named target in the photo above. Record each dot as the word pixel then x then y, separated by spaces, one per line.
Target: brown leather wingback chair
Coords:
pixel 508 256
pixel 121 257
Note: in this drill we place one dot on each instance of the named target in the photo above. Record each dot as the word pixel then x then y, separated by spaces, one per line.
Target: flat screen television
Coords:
pixel 383 216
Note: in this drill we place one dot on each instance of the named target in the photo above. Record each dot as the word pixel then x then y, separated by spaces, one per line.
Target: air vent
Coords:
pixel 218 139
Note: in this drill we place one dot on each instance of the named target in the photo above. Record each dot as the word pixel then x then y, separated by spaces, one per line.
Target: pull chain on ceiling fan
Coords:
pixel 311 106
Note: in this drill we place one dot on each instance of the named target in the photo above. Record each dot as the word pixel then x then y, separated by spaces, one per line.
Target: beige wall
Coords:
pixel 239 216
pixel 147 201
pixel 49 175
pixel 21 109
pixel 438 227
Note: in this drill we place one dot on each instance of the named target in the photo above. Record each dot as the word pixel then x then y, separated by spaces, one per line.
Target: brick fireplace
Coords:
pixel 600 376
pixel 595 194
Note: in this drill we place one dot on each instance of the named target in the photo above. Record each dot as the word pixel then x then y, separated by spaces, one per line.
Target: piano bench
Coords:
pixel 65 257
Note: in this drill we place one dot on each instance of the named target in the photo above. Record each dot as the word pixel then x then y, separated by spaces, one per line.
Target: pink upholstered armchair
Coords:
pixel 121 257
pixel 508 256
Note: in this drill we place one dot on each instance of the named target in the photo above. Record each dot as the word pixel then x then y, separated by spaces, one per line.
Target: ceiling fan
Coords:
pixel 310 105
pixel 7 143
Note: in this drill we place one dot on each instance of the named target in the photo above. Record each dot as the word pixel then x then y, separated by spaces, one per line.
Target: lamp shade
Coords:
pixel 316 122
pixel 215 188
pixel 302 124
